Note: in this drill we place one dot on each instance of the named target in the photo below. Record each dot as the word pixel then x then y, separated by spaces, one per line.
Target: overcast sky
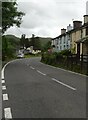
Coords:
pixel 45 18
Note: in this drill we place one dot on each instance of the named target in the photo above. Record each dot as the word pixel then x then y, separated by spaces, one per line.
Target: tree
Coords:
pixel 10 15
pixel 8 49
pixel 27 43
pixel 22 41
pixel 47 46
pixel 36 43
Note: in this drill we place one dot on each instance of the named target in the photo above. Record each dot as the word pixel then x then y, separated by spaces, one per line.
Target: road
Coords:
pixel 32 89
pixel 0 90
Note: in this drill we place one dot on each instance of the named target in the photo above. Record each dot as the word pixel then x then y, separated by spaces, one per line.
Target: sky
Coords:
pixel 46 18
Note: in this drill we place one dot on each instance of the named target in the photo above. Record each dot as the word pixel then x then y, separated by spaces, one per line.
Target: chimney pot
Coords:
pixel 63 31
pixel 85 19
pixel 77 24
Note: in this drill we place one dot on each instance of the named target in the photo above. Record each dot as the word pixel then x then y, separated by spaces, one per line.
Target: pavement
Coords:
pixel 32 89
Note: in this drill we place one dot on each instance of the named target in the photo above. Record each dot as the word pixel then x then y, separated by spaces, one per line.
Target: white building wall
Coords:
pixel 62 43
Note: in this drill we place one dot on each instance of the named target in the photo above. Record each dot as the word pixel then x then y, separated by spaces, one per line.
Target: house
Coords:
pixel 75 36
pixel 79 37
pixel 75 39
pixel 84 40
pixel 62 42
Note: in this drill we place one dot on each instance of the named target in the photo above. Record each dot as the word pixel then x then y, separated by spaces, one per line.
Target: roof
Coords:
pixel 71 31
pixel 61 35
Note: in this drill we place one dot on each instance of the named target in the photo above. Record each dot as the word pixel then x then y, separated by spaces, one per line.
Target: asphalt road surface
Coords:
pixel 32 89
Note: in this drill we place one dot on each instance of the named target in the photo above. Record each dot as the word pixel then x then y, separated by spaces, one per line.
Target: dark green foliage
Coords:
pixel 22 41
pixel 46 46
pixel 49 58
pixel 36 43
pixel 27 43
pixel 10 15
pixel 14 41
pixel 44 41
pixel 65 60
pixel 65 52
pixel 9 47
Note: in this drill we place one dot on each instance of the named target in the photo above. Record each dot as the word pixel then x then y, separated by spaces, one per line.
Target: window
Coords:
pixel 64 46
pixel 67 46
pixel 57 42
pixel 60 47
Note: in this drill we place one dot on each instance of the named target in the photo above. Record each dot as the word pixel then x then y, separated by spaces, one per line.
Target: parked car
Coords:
pixel 20 55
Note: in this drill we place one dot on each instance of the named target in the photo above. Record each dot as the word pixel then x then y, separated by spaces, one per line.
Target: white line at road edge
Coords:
pixel 40 72
pixel 3 81
pixel 3 69
pixel 7 113
pixel 63 84
pixel 2 72
pixel 5 96
pixel 64 70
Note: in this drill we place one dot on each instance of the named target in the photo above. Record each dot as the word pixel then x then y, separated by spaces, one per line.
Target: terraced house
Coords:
pixel 79 37
pixel 75 39
pixel 62 42
pixel 82 42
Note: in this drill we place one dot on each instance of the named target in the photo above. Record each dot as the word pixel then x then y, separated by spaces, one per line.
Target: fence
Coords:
pixel 71 62
pixel 74 63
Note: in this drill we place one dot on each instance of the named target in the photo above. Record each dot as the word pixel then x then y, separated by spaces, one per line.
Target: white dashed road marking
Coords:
pixel 40 72
pixel 7 112
pixel 3 87
pixel 3 81
pixel 5 96
pixel 63 84
pixel 32 67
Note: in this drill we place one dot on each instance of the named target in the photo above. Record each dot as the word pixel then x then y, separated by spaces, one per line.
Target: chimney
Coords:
pixel 85 19
pixel 77 24
pixel 63 31
pixel 33 35
pixel 69 27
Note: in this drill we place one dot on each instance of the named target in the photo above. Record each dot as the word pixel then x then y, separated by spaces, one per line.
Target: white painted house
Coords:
pixel 63 41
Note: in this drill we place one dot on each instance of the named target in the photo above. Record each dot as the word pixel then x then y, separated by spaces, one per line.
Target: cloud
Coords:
pixel 47 17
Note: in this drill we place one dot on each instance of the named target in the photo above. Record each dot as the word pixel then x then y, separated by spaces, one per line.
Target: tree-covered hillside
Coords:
pixel 44 41
pixel 10 44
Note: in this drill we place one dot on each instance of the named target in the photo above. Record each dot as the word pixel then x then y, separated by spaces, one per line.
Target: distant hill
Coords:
pixel 44 40
pixel 15 40
pixel 13 37
pixel 39 42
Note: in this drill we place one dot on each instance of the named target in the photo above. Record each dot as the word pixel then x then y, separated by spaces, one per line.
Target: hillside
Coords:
pixel 44 40
pixel 13 38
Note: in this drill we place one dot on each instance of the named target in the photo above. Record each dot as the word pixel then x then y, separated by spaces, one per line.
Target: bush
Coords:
pixel 65 52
